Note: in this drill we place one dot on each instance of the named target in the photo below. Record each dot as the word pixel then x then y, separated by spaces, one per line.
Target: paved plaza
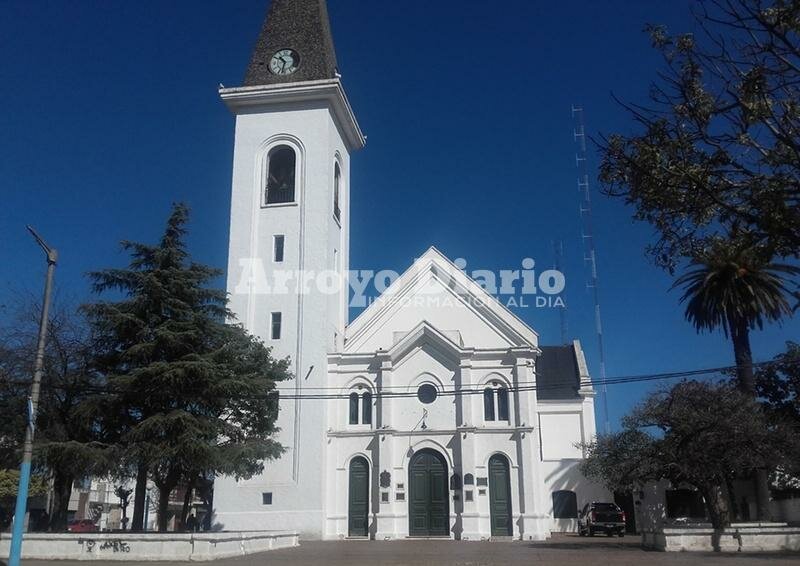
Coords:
pixel 561 550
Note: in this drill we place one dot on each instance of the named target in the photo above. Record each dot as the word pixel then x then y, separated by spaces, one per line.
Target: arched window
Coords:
pixel 354 408
pixel 488 404
pixel 502 404
pixel 337 181
pixel 565 505
pixel 360 408
pixel 280 175
pixel 366 408
pixel 495 403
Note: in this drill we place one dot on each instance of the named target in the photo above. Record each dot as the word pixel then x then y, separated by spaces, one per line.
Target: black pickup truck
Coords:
pixel 601 517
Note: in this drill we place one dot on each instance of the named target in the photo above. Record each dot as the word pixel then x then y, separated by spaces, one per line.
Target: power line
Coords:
pixel 522 386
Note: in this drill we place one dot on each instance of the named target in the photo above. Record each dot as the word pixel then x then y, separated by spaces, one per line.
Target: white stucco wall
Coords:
pixel 315 242
pixel 435 326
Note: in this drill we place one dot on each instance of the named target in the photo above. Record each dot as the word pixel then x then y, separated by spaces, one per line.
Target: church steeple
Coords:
pixel 295 45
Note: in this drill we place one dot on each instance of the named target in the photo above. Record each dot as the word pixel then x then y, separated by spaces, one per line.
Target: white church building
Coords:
pixel 436 412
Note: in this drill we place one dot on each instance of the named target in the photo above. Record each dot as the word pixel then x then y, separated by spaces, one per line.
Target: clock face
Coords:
pixel 284 62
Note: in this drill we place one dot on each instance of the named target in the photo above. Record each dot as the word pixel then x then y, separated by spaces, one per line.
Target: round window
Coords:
pixel 426 393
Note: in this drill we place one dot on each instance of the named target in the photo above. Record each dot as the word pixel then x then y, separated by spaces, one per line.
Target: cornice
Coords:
pixel 243 98
pixel 429 431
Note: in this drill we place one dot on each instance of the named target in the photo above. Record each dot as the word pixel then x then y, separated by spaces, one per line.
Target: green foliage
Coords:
pixel 68 442
pixel 9 481
pixel 718 147
pixel 778 384
pixel 12 405
pixel 700 433
pixel 622 460
pixel 189 393
pixel 728 284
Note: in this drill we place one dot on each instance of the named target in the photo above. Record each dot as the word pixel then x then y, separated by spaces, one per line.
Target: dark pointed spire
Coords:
pixel 303 27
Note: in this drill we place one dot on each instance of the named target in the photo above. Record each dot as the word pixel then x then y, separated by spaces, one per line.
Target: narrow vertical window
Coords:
pixel 488 404
pixel 354 408
pixel 502 404
pixel 277 249
pixel 337 181
pixel 366 408
pixel 280 175
pixel 276 326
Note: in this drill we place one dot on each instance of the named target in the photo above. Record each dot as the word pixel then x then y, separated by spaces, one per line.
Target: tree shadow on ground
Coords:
pixel 575 542
pixel 598 545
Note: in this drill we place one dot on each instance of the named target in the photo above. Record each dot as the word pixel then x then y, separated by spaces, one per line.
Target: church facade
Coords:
pixel 436 412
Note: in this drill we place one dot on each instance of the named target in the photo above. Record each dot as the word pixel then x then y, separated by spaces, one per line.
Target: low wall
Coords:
pixel 741 537
pixel 152 546
pixel 787 510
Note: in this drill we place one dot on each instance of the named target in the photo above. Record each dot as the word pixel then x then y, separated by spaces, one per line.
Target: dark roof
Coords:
pixel 301 25
pixel 557 374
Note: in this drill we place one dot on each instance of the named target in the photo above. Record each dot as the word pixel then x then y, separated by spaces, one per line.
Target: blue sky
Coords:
pixel 110 113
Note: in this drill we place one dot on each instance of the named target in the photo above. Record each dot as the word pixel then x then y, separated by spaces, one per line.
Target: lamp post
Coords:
pixel 33 404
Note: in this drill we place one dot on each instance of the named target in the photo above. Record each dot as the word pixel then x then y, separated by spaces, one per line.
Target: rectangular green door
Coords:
pixel 419 503
pixel 428 505
pixel 438 515
pixel 358 508
pixel 500 497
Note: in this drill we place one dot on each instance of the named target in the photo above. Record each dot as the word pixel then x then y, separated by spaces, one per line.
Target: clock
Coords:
pixel 284 62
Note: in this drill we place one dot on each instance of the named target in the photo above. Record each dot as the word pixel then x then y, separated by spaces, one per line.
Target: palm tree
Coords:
pixel 735 287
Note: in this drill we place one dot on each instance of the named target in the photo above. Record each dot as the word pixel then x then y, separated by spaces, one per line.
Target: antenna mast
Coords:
pixel 589 251
pixel 558 252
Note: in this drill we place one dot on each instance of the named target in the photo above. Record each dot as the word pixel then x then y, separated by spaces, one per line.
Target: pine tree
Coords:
pixel 189 392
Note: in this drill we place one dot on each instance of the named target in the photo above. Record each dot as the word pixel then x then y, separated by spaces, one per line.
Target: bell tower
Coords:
pixel 289 248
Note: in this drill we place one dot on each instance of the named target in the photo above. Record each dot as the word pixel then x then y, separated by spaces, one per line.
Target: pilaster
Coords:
pixel 385 511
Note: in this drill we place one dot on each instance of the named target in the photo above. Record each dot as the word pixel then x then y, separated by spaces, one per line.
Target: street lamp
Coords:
pixel 33 405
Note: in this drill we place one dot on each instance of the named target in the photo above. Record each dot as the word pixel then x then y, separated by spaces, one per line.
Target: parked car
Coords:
pixel 82 526
pixel 601 517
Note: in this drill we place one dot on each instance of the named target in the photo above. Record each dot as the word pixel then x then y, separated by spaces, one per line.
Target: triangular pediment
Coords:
pixel 425 335
pixel 435 291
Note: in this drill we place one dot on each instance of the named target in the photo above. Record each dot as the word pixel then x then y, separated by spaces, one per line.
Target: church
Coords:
pixel 436 412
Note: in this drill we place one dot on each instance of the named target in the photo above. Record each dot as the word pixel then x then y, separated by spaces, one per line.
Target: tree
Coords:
pixel 778 384
pixel 9 482
pixel 716 167
pixel 68 443
pixel 733 286
pixel 190 392
pixel 12 405
pixel 699 433
pixel 719 140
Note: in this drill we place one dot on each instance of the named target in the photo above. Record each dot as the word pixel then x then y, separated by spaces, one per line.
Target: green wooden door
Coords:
pixel 500 496
pixel 429 510
pixel 358 508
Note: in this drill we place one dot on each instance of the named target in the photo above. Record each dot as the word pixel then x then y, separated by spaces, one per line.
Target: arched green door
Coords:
pixel 428 505
pixel 358 506
pixel 500 496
